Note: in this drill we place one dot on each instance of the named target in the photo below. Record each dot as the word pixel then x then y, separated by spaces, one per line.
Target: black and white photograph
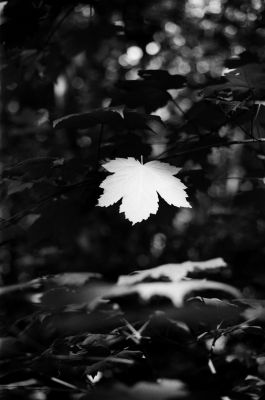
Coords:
pixel 132 199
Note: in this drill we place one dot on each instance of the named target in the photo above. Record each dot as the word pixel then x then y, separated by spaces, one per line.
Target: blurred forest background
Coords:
pixel 82 82
pixel 64 57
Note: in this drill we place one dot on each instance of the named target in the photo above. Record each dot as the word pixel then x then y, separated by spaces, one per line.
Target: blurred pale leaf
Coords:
pixel 164 390
pixel 173 272
pixel 180 291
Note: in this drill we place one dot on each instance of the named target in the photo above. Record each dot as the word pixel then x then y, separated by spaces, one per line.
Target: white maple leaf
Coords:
pixel 138 185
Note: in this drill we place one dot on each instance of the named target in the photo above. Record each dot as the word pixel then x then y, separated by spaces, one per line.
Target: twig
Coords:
pixel 185 116
pixel 117 360
pixel 61 190
pixel 199 148
pixel 179 108
pixel 100 138
pixel 57 26
pixel 68 385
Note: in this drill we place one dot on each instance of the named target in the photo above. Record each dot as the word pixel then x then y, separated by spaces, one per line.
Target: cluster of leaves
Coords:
pixel 50 199
pixel 58 191
pixel 86 338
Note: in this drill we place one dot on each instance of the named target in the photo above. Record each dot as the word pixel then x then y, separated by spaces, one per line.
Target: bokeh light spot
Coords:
pixel 152 48
pixel 132 56
pixel 13 107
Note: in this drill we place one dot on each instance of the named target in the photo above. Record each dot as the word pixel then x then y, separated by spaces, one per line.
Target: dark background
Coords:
pixel 178 81
pixel 64 57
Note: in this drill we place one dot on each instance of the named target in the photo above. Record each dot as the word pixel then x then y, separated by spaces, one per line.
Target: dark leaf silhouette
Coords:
pixel 125 145
pixel 87 120
pixel 246 80
pixel 128 120
pixel 198 116
pixel 162 79
pixel 150 98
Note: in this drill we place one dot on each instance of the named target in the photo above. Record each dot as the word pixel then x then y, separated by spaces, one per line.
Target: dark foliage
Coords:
pixel 87 81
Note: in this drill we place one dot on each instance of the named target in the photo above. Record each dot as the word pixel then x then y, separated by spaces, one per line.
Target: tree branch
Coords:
pixel 199 148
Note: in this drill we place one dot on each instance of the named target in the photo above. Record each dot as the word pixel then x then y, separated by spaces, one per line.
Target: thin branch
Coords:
pixel 73 357
pixel 100 138
pixel 199 148
pixel 176 145
pixel 252 127
pixel 185 116
pixel 57 26
pixel 67 384
pixel 179 108
pixel 34 207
